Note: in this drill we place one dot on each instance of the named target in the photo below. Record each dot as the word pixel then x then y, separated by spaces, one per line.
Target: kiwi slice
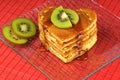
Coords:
pixel 23 27
pixel 73 16
pixel 60 19
pixel 64 18
pixel 11 37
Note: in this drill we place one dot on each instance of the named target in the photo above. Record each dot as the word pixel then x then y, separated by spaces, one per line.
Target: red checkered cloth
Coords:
pixel 13 67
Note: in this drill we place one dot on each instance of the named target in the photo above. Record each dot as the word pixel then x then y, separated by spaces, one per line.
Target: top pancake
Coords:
pixel 87 19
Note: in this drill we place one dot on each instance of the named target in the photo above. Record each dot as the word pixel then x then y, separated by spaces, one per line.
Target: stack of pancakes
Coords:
pixel 68 44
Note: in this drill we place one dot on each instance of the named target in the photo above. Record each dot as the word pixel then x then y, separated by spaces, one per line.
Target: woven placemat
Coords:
pixel 13 67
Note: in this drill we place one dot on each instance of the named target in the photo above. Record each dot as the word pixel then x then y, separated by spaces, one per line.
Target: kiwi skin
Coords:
pixel 27 21
pixel 7 37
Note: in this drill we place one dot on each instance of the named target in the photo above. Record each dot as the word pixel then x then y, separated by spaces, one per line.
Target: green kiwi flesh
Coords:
pixel 64 18
pixel 23 27
pixel 11 37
